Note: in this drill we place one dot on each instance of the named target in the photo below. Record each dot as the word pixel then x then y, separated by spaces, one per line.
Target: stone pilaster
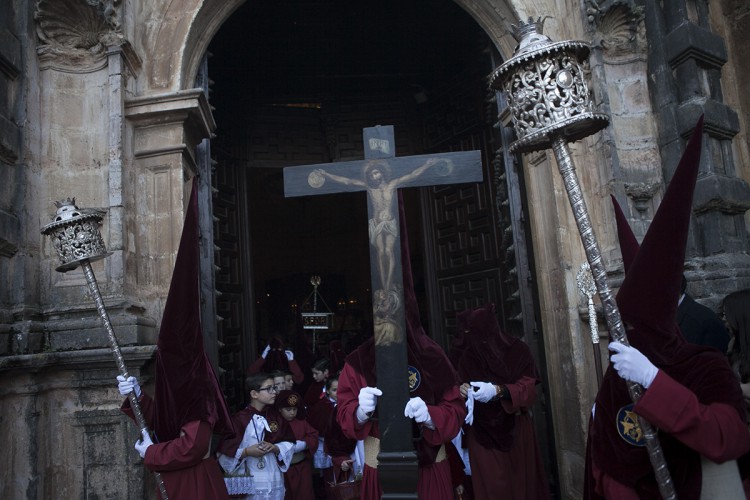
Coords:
pixel 685 83
pixel 166 128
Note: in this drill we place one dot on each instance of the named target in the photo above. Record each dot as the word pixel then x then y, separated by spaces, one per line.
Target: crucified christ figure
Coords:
pixel 381 195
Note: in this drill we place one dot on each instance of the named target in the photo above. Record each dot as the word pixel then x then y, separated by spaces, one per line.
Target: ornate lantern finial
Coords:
pixel 75 234
pixel 546 89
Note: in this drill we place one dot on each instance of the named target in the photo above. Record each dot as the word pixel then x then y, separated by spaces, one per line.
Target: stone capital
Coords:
pixel 183 117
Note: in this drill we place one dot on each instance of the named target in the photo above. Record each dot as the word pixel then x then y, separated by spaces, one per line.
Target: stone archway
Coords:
pixel 548 214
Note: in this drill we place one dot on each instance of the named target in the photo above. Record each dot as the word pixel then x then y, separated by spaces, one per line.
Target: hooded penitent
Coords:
pixel 276 358
pixel 424 354
pixel 483 353
pixel 186 386
pixel 647 301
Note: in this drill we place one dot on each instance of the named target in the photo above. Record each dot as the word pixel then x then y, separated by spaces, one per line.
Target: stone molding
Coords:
pixel 170 124
pixel 72 360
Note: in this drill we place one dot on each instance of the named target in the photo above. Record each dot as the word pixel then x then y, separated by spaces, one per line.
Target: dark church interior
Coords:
pixel 294 83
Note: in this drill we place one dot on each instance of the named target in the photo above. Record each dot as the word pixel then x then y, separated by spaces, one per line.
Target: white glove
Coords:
pixel 417 409
pixel 126 386
pixel 469 408
pixel 483 391
pixel 142 445
pixel 368 400
pixel 632 365
pixel 289 355
pixel 299 446
pixel 266 351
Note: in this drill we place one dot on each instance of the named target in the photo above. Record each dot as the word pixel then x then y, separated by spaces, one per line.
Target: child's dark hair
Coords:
pixel 277 373
pixel 330 380
pixel 255 381
pixel 321 364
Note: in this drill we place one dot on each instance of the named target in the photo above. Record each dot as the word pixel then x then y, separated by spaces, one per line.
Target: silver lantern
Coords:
pixel 547 91
pixel 75 234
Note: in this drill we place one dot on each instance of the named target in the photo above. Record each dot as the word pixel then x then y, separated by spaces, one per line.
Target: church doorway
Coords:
pixel 294 83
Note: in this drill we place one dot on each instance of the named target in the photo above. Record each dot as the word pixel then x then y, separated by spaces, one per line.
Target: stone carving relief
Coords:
pixel 74 34
pixel 617 25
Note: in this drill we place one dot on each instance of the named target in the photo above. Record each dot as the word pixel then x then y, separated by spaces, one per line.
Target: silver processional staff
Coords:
pixel 550 107
pixel 75 235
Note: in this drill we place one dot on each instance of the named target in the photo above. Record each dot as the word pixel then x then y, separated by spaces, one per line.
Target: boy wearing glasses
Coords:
pixel 263 445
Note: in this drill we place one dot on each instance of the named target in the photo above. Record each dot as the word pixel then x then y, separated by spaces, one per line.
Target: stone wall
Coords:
pixel 65 434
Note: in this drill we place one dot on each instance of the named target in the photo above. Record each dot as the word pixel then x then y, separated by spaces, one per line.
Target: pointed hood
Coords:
pixel 628 243
pixel 187 388
pixel 648 296
pixel 647 301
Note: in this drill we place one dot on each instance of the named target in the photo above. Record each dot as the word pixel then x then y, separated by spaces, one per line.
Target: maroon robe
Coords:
pixel 319 415
pixel 503 450
pixel 447 416
pixel 322 416
pixel 298 478
pixel 187 469
pixel 314 393
pixel 704 389
pixel 438 388
pixel 280 428
pixel 714 430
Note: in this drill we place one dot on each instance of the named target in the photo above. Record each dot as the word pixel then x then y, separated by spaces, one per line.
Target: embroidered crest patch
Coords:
pixel 415 378
pixel 273 425
pixel 628 427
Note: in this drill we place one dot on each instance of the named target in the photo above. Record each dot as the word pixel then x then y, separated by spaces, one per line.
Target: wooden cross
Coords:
pixel 381 174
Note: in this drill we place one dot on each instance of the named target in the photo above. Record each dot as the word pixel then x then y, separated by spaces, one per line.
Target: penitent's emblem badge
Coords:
pixel 292 401
pixel 273 425
pixel 628 427
pixel 414 378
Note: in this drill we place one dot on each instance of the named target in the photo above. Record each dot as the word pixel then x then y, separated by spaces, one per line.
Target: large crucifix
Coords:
pixel 380 175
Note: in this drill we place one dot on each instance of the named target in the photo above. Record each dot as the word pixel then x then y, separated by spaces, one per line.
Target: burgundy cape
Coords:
pixel 319 415
pixel 438 389
pixel 322 416
pixel 337 445
pixel 647 301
